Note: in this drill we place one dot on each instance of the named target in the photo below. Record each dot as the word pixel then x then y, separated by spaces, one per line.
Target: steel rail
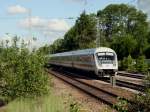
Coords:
pixel 126 84
pixel 137 87
pixel 104 96
pixel 138 76
pixel 133 86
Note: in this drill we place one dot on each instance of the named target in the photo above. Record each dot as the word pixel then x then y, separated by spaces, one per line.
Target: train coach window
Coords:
pixel 106 57
pixel 109 54
pixel 101 54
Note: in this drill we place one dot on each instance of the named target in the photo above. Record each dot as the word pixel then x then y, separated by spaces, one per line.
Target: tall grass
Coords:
pixel 50 103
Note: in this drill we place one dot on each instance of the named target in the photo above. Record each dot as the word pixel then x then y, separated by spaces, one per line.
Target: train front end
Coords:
pixel 106 62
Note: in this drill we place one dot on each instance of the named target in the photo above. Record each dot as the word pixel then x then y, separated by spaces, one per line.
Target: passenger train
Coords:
pixel 102 60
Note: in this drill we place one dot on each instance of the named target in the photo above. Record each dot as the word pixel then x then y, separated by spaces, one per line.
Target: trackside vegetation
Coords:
pixel 138 65
pixel 49 103
pixel 24 83
pixel 21 71
pixel 121 27
pixel 140 102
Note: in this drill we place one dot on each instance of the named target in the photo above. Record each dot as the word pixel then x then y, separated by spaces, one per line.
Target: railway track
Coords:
pixel 137 87
pixel 133 86
pixel 121 83
pixel 103 92
pixel 138 76
pixel 105 96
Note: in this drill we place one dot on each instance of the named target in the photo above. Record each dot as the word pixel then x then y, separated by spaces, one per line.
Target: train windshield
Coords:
pixel 106 57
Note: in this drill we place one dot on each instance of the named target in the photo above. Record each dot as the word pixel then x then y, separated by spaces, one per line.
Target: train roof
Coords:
pixel 84 51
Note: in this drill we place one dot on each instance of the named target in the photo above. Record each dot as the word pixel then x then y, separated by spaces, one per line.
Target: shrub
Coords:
pixel 21 71
pixel 142 101
pixel 128 64
pixel 141 65
pixel 121 106
pixel 131 65
pixel 124 64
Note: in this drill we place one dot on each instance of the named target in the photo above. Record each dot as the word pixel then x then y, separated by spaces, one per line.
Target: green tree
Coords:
pixel 85 27
pixel 70 40
pixel 119 20
pixel 82 35
pixel 44 49
pixel 124 45
pixel 122 27
pixel 59 45
pixel 22 73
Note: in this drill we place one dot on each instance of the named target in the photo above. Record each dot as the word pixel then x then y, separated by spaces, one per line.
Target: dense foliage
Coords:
pixel 121 27
pixel 141 101
pixel 125 28
pixel 21 71
pixel 82 35
pixel 134 65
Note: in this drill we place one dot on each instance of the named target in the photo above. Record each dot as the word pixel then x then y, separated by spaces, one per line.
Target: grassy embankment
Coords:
pixel 49 103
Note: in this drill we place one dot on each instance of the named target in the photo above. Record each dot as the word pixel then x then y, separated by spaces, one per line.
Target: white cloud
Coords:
pixel 51 29
pixel 32 22
pixel 17 9
pixel 51 25
pixel 58 25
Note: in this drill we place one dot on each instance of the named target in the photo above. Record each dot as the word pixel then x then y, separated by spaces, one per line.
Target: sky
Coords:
pixel 46 20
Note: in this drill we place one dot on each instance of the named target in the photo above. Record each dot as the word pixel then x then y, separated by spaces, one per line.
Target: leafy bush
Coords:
pixel 124 64
pixel 141 65
pixel 128 64
pixel 142 101
pixel 131 65
pixel 21 71
pixel 121 106
pixel 137 106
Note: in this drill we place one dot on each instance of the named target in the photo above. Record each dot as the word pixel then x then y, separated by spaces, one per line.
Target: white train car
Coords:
pixel 102 61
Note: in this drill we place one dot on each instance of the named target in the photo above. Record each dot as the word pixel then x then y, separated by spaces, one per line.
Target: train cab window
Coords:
pixel 106 57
